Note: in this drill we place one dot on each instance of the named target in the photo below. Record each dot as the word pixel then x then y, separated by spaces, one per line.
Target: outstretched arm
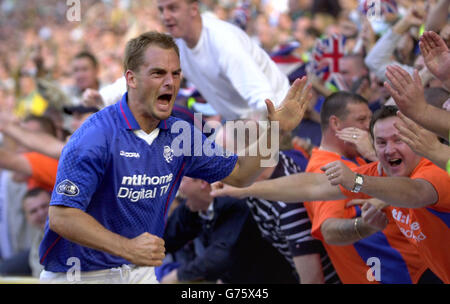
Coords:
pixel 288 189
pixel 396 191
pixel 35 141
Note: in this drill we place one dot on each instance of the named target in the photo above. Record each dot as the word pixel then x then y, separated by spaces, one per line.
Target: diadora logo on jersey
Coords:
pixel 66 187
pixel 129 154
pixel 168 154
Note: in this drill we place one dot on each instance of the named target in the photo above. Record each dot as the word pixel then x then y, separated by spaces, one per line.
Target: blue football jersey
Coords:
pixel 127 185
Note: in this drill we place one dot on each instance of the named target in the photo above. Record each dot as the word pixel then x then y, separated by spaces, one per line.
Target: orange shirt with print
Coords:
pixel 400 261
pixel 427 228
pixel 43 169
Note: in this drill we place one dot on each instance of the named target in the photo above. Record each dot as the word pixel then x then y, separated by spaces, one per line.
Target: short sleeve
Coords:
pixel 323 210
pixel 209 161
pixel 81 168
pixel 440 180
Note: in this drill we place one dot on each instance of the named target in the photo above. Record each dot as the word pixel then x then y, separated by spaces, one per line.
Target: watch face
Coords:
pixel 359 180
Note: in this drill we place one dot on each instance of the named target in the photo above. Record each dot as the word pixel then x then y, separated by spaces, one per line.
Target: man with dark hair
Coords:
pixel 333 223
pixel 87 55
pixel 338 105
pixel 415 189
pixel 43 123
pixel 119 172
pixel 85 71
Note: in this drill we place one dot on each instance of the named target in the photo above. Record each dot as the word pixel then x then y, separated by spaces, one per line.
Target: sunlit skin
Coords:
pixel 152 89
pixel 396 157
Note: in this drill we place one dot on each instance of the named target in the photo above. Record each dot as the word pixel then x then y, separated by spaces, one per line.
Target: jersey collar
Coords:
pixel 128 120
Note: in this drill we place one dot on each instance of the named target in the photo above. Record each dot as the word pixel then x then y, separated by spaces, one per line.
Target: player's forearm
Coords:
pixel 343 232
pixel 81 228
pixel 255 157
pixel 294 188
pixel 400 191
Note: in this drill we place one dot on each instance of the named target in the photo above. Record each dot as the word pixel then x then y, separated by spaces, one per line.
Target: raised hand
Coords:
pixel 420 140
pixel 361 139
pixel 436 55
pixel 408 93
pixel 291 111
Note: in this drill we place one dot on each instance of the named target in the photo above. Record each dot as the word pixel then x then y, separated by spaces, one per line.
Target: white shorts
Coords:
pixel 126 274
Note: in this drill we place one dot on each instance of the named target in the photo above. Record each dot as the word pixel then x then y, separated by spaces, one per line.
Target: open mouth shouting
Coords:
pixel 395 165
pixel 395 162
pixel 163 102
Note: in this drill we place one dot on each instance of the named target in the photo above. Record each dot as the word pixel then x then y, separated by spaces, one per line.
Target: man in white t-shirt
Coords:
pixel 230 70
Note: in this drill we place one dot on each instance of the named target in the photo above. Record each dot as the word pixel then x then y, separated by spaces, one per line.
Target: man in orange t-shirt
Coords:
pixel 417 190
pixel 420 204
pixel 333 223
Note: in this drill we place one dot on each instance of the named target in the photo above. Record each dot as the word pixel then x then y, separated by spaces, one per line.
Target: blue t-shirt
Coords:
pixel 126 184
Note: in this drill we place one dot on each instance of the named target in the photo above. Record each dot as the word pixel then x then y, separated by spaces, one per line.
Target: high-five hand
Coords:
pixel 291 111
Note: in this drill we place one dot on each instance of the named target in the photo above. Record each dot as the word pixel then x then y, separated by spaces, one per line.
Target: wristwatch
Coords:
pixel 359 180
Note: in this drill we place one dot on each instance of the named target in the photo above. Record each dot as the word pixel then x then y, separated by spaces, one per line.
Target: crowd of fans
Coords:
pixel 53 71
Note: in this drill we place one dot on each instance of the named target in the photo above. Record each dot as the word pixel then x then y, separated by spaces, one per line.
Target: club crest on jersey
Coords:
pixel 66 187
pixel 168 154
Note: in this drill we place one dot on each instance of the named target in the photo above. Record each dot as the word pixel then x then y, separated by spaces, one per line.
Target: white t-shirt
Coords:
pixel 228 68
pixel 231 71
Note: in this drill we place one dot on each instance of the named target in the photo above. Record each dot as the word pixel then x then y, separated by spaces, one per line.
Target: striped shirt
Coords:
pixel 287 226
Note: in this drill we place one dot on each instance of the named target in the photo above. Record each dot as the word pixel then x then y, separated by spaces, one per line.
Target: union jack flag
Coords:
pixel 372 7
pixel 326 56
